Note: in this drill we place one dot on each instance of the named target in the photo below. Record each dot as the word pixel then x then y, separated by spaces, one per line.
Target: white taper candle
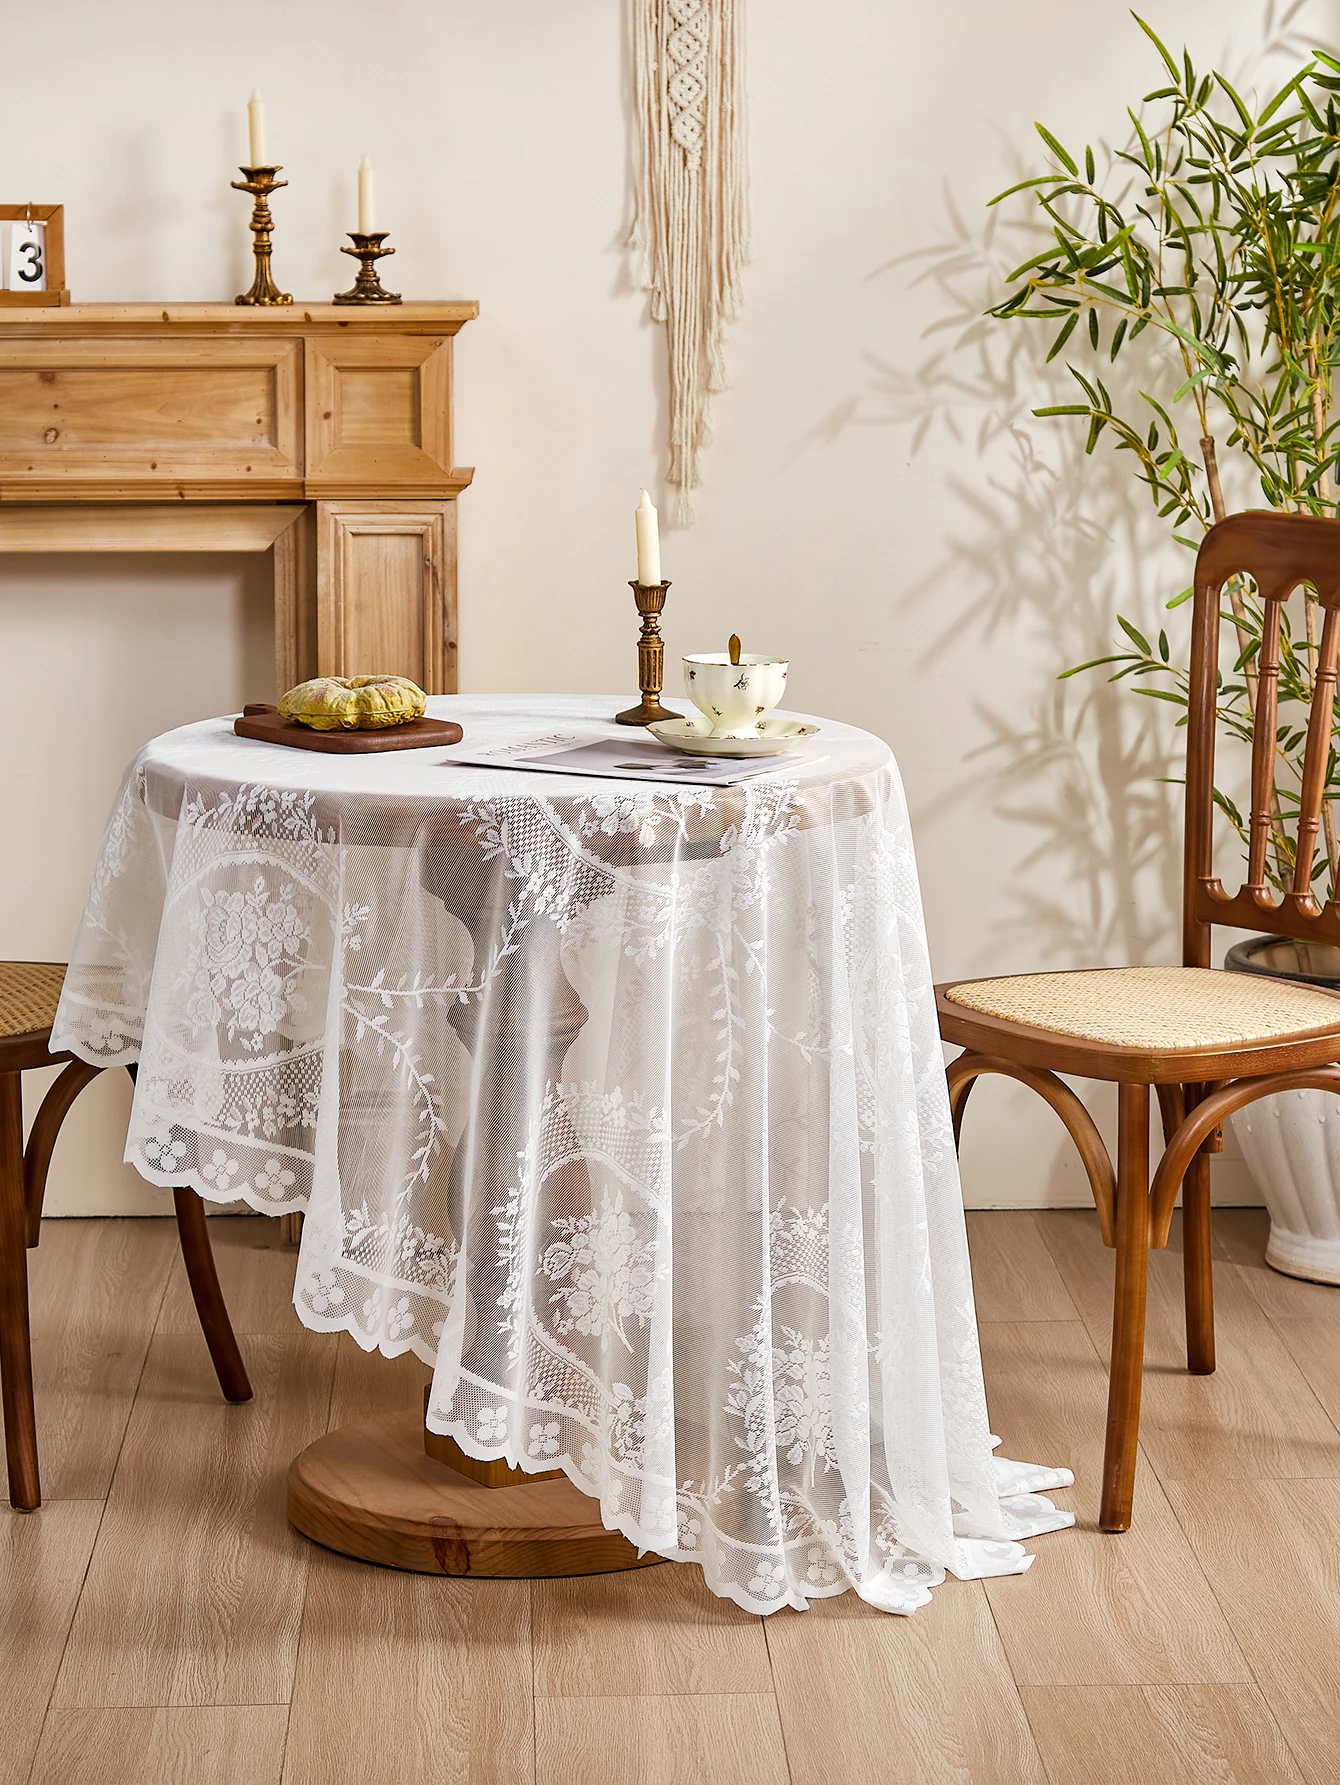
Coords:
pixel 648 541
pixel 367 198
pixel 256 128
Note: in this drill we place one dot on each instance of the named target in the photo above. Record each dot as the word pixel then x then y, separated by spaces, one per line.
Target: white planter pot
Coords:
pixel 1291 1143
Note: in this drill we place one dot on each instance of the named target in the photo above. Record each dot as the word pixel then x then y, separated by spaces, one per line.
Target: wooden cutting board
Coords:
pixel 264 724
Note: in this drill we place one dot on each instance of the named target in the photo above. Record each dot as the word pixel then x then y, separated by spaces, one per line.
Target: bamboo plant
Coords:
pixel 1221 246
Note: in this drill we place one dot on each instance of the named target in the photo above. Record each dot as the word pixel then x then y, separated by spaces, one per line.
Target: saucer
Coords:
pixel 770 737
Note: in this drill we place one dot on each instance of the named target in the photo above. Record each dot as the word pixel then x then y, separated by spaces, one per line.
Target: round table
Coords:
pixel 620 1104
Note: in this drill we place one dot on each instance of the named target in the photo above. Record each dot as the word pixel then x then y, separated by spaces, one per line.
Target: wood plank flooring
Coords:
pixel 160 1624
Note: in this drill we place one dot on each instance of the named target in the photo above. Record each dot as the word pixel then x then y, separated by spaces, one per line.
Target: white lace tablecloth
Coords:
pixel 685 1223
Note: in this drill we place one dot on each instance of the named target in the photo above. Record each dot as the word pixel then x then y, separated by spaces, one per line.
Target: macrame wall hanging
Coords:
pixel 691 233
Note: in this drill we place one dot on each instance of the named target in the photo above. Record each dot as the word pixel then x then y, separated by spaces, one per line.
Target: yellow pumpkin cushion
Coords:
pixel 354 703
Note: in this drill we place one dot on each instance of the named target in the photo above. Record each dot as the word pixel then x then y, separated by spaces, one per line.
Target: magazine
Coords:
pixel 637 759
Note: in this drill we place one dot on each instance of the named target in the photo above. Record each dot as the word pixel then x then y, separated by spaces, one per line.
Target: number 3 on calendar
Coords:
pixel 27 257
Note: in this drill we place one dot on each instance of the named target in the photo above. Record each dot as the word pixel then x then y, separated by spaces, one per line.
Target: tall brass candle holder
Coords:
pixel 261 182
pixel 367 288
pixel 650 598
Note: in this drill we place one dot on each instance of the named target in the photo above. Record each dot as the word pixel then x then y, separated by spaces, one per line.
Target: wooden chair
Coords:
pixel 29 993
pixel 1208 1042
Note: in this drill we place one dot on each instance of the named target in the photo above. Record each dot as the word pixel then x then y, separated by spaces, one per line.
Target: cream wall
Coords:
pixel 879 503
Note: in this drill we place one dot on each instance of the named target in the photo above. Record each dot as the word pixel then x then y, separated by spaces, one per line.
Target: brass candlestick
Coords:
pixel 367 288
pixel 650 598
pixel 261 182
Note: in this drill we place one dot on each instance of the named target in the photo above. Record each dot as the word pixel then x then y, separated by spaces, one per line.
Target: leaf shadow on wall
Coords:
pixel 1049 544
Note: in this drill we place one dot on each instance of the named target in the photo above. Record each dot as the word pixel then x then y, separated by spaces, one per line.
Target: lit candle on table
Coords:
pixel 648 542
pixel 367 198
pixel 256 126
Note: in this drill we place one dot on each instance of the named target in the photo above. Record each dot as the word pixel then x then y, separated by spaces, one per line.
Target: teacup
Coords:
pixel 736 697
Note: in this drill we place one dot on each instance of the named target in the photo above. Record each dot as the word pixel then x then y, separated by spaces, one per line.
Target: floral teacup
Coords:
pixel 736 697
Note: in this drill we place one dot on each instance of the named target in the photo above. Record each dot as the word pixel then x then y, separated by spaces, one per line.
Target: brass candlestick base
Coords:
pixel 261 182
pixel 650 598
pixel 367 288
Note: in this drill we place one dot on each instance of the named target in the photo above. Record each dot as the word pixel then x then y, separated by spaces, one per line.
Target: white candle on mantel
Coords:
pixel 648 541
pixel 367 198
pixel 256 126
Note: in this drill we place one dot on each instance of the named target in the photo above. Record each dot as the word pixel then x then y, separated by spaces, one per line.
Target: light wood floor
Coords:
pixel 159 1621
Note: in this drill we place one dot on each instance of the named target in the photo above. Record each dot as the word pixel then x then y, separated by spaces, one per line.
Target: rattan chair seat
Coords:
pixel 29 994
pixel 1159 1008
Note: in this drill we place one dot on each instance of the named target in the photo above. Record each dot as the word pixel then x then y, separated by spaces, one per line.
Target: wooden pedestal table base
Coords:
pixel 388 1490
pixel 372 1490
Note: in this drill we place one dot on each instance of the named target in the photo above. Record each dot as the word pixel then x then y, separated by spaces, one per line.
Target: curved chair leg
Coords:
pixel 1207 1115
pixel 16 1356
pixel 964 1072
pixel 55 1106
pixel 1126 1371
pixel 1172 1108
pixel 1185 1164
pixel 1197 1267
pixel 960 1089
pixel 198 1257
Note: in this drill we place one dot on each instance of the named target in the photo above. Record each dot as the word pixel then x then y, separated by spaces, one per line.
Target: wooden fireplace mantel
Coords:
pixel 320 432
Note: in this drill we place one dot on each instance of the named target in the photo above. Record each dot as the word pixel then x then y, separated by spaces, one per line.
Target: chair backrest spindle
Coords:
pixel 1280 553
pixel 1316 758
pixel 1263 744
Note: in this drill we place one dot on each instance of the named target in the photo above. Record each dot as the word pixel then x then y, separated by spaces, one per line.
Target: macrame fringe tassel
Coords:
pixel 691 231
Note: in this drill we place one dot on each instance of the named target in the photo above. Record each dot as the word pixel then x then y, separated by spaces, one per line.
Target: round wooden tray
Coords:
pixel 370 1490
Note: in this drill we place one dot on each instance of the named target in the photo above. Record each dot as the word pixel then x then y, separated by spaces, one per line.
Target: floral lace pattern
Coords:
pixel 620 1105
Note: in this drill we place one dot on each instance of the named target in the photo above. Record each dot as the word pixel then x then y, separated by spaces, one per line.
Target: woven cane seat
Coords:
pixel 1156 1008
pixel 29 994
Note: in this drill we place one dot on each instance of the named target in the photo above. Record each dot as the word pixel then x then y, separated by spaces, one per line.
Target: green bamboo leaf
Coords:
pixel 1163 694
pixel 1154 39
pixel 1045 259
pixel 1067 329
pixel 1021 186
pixel 1227 807
pixel 1238 106
pixel 1137 639
pixel 1062 155
pixel 1196 378
pixel 1097 663
pixel 1281 96
pixel 1144 140
pixel 1314 117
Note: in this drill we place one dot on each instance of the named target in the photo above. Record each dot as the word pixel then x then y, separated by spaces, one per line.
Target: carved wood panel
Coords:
pixel 379 411
pixel 386 591
pixel 152 413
